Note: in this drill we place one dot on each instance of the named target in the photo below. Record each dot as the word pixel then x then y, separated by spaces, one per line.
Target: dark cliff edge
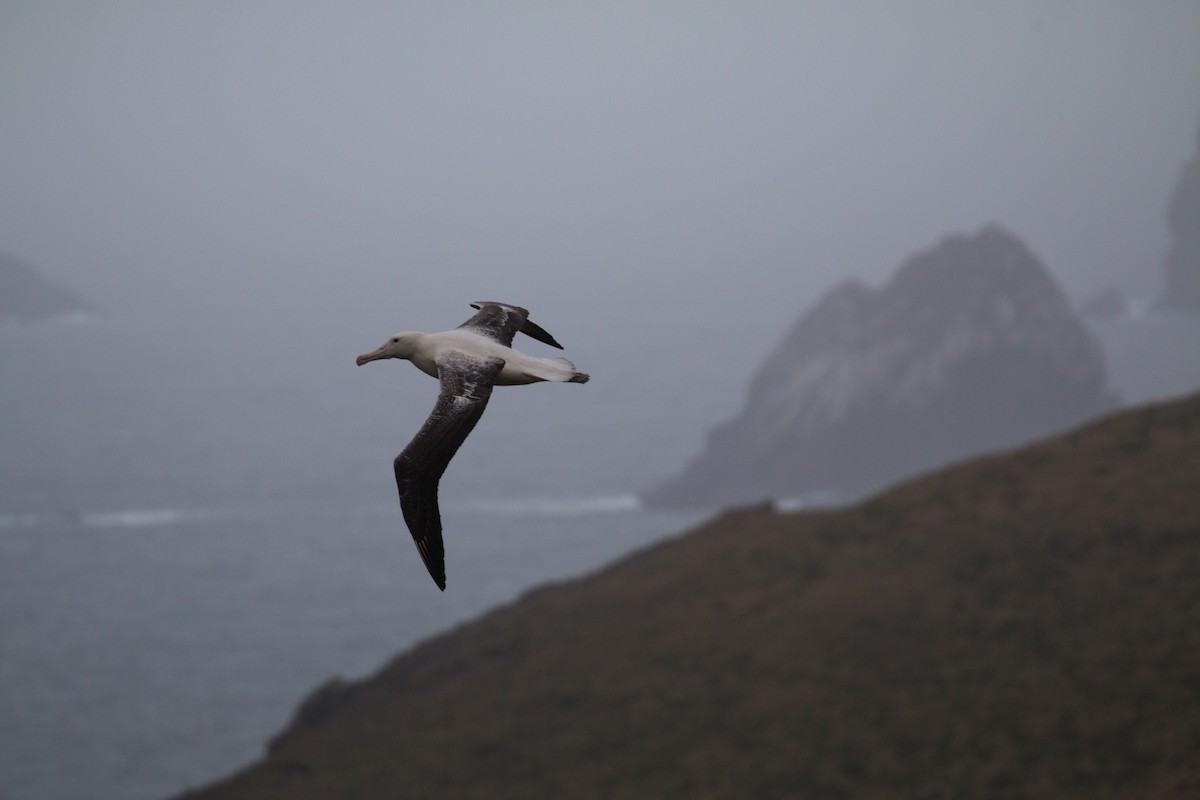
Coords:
pixel 1022 625
pixel 26 296
pixel 971 346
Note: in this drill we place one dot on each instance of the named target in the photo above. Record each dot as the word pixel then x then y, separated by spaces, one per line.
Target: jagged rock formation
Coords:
pixel 1182 261
pixel 1026 625
pixel 26 295
pixel 971 346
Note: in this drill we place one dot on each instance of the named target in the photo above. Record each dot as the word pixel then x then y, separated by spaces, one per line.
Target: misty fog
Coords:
pixel 673 170
pixel 196 496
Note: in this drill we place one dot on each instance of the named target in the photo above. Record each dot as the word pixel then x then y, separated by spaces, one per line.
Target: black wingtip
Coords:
pixel 530 329
pixel 535 331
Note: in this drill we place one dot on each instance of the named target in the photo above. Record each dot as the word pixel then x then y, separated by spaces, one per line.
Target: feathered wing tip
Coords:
pixel 502 320
pixel 466 385
pixel 579 377
pixel 535 331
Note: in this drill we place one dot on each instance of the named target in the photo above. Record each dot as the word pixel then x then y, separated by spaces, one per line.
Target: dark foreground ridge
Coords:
pixel 1025 625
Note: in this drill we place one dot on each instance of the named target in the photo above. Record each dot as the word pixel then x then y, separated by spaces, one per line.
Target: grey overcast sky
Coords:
pixel 389 161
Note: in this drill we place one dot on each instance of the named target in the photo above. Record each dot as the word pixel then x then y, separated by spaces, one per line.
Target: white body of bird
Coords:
pixel 424 350
pixel 467 361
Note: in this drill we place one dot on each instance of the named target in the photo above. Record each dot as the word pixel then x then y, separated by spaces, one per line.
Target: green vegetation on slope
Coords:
pixel 1025 625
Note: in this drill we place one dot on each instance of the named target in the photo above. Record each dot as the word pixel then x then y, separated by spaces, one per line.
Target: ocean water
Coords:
pixel 198 525
pixel 198 522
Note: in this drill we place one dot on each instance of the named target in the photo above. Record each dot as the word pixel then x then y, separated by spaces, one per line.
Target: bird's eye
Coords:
pixel 396 340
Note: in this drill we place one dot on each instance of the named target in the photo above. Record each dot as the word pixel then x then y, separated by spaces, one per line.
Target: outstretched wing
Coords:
pixel 466 385
pixel 501 322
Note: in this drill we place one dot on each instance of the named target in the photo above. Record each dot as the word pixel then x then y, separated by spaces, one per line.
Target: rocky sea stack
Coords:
pixel 970 347
pixel 1182 261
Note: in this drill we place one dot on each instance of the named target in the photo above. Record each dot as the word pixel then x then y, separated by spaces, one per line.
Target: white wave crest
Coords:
pixel 136 519
pixel 139 518
pixel 552 506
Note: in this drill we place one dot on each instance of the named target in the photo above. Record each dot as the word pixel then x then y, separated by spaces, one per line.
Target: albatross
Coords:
pixel 467 361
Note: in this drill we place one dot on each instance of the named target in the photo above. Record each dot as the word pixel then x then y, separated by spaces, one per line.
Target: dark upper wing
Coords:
pixel 466 385
pixel 501 322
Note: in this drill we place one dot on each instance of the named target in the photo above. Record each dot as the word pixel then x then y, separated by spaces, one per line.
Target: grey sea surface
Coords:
pixel 198 523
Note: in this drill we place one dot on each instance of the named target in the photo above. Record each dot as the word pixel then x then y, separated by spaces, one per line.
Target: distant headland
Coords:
pixel 26 295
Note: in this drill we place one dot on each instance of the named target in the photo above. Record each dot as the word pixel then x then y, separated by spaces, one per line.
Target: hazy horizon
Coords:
pixel 199 494
pixel 384 164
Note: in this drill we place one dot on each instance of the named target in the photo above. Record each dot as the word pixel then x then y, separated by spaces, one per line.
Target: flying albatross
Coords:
pixel 468 361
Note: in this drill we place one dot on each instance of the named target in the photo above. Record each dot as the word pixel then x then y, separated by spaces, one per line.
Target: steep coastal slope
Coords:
pixel 971 346
pixel 1024 625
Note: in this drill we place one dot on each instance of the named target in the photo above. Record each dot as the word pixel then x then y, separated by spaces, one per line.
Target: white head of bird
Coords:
pixel 402 345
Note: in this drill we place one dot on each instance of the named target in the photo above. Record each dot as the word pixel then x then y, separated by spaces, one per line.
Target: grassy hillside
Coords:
pixel 1025 625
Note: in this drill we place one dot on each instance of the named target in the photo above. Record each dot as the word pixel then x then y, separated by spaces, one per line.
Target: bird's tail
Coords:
pixel 559 370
